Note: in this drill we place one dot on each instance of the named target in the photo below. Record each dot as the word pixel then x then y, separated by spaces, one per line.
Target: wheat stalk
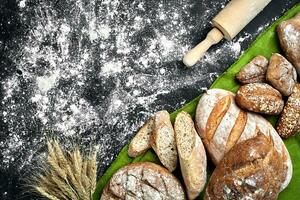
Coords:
pixel 66 177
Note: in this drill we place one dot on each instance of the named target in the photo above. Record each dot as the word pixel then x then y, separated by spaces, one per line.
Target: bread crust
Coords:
pixel 261 98
pixel 144 181
pixel 289 38
pixel 253 169
pixel 217 146
pixel 193 165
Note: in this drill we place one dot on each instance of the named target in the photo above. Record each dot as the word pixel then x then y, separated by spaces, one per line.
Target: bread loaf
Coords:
pixel 281 74
pixel 254 71
pixel 289 37
pixel 260 98
pixel 221 125
pixel 141 141
pixel 145 181
pixel 252 169
pixel 289 121
pixel 192 156
pixel 163 140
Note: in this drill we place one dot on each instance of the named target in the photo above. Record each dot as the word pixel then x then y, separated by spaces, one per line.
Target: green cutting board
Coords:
pixel 265 44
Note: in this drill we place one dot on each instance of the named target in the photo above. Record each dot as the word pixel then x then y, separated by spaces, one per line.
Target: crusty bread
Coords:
pixel 254 71
pixel 252 169
pixel 217 111
pixel 163 140
pixel 281 74
pixel 191 153
pixel 289 37
pixel 144 181
pixel 260 98
pixel 141 141
pixel 289 121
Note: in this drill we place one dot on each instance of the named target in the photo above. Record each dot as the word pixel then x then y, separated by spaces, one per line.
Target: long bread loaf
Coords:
pixel 221 124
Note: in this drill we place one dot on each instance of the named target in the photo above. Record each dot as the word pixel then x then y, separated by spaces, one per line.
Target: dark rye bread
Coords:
pixel 163 140
pixel 191 154
pixel 143 181
pixel 222 124
pixel 252 169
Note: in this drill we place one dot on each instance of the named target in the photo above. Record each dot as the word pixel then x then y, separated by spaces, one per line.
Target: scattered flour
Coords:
pixel 93 71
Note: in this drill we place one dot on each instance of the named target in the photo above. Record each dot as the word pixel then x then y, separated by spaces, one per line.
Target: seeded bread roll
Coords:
pixel 144 181
pixel 163 140
pixel 289 121
pixel 141 141
pixel 254 71
pixel 252 169
pixel 191 153
pixel 221 125
pixel 281 74
pixel 289 37
pixel 260 98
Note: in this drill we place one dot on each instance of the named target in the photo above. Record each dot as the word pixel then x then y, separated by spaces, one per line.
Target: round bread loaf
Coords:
pixel 252 169
pixel 221 124
pixel 143 181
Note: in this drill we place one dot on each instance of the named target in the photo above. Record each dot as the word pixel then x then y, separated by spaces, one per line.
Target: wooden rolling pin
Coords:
pixel 228 23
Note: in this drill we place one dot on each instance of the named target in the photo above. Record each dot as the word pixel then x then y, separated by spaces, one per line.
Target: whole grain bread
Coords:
pixel 143 181
pixel 281 74
pixel 260 98
pixel 289 121
pixel 289 37
pixel 163 140
pixel 191 153
pixel 222 124
pixel 252 169
pixel 141 141
pixel 254 71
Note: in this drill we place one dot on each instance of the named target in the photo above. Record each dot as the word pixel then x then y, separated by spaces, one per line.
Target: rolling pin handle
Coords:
pixel 213 37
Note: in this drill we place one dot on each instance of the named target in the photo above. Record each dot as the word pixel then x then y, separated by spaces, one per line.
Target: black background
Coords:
pixel 10 180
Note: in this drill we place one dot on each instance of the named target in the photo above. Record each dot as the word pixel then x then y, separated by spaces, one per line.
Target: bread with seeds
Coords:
pixel 222 124
pixel 143 180
pixel 192 156
pixel 163 140
pixel 281 74
pixel 289 37
pixel 254 71
pixel 252 169
pixel 141 141
pixel 260 98
pixel 289 121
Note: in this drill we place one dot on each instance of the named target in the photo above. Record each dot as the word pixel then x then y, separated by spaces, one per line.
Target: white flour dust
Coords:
pixel 95 70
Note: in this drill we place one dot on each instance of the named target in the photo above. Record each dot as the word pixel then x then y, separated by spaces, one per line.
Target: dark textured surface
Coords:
pixel 15 25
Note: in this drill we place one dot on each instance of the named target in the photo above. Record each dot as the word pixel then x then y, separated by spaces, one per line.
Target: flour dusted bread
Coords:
pixel 144 181
pixel 191 153
pixel 252 169
pixel 254 71
pixel 221 125
pixel 281 74
pixel 289 37
pixel 141 141
pixel 163 140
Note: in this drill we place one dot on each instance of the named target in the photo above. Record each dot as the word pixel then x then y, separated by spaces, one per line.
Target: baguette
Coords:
pixel 145 181
pixel 252 169
pixel 163 140
pixel 191 153
pixel 141 141
pixel 221 125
